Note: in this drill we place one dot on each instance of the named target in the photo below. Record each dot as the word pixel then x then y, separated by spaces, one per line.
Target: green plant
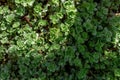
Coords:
pixel 59 40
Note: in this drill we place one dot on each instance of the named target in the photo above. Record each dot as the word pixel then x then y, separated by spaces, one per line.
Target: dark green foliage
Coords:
pixel 94 34
pixel 59 40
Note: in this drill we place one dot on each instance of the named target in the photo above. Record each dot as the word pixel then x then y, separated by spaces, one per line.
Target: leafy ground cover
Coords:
pixel 59 40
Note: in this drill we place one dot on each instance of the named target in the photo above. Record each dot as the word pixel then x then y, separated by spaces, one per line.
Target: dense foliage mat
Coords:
pixel 59 39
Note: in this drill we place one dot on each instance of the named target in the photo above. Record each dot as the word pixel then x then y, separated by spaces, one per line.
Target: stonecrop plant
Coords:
pixel 59 40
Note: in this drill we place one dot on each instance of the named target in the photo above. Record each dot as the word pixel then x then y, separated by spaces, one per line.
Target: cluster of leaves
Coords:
pixel 59 39
pixel 95 35
pixel 33 36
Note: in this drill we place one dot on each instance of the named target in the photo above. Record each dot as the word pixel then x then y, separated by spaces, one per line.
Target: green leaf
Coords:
pixel 20 10
pixel 4 10
pixel 117 72
pixel 59 15
pixel 55 2
pixel 20 43
pixel 79 39
pixel 84 35
pixel 81 48
pixel 38 8
pixel 54 34
pixel 99 46
pixel 4 40
pixel 16 24
pixel 51 67
pixel 82 73
pixel 12 49
pixel 25 3
pixel 54 47
pixel 77 62
pixel 10 18
pixel 42 23
pixel 54 19
pixel 18 1
pixel 64 28
pixel 3 27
